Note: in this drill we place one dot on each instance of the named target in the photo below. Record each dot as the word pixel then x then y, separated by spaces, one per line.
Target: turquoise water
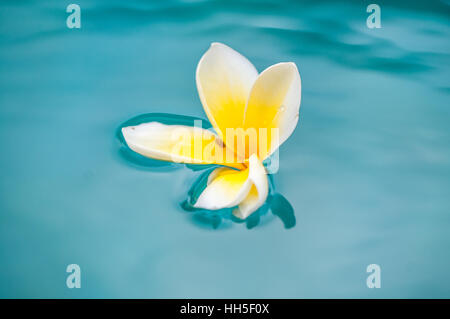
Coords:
pixel 366 172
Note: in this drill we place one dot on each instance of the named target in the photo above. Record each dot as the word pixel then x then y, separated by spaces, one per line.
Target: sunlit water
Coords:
pixel 366 172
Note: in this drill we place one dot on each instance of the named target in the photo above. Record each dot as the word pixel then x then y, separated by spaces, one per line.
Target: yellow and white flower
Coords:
pixel 252 114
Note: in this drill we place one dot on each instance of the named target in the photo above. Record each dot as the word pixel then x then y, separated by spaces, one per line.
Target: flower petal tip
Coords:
pixel 127 133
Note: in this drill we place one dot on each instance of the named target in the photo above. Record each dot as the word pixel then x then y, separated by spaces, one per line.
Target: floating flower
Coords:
pixel 252 115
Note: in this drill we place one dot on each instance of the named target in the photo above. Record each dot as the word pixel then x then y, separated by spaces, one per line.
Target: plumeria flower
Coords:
pixel 252 115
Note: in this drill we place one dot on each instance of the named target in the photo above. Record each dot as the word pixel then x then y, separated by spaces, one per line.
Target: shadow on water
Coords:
pixel 217 219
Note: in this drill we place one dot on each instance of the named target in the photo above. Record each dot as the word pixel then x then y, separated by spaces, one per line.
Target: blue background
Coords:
pixel 367 170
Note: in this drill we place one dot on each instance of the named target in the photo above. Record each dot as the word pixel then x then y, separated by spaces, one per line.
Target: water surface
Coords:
pixel 367 170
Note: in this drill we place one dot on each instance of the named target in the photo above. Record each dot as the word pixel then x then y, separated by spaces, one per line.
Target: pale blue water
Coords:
pixel 367 171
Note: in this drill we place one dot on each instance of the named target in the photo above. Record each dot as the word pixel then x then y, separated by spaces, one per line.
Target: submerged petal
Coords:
pixel 177 143
pixel 226 188
pixel 224 80
pixel 273 106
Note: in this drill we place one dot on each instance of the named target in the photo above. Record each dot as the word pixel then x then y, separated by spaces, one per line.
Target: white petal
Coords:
pixel 224 80
pixel 259 191
pixel 274 103
pixel 177 143
pixel 226 188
